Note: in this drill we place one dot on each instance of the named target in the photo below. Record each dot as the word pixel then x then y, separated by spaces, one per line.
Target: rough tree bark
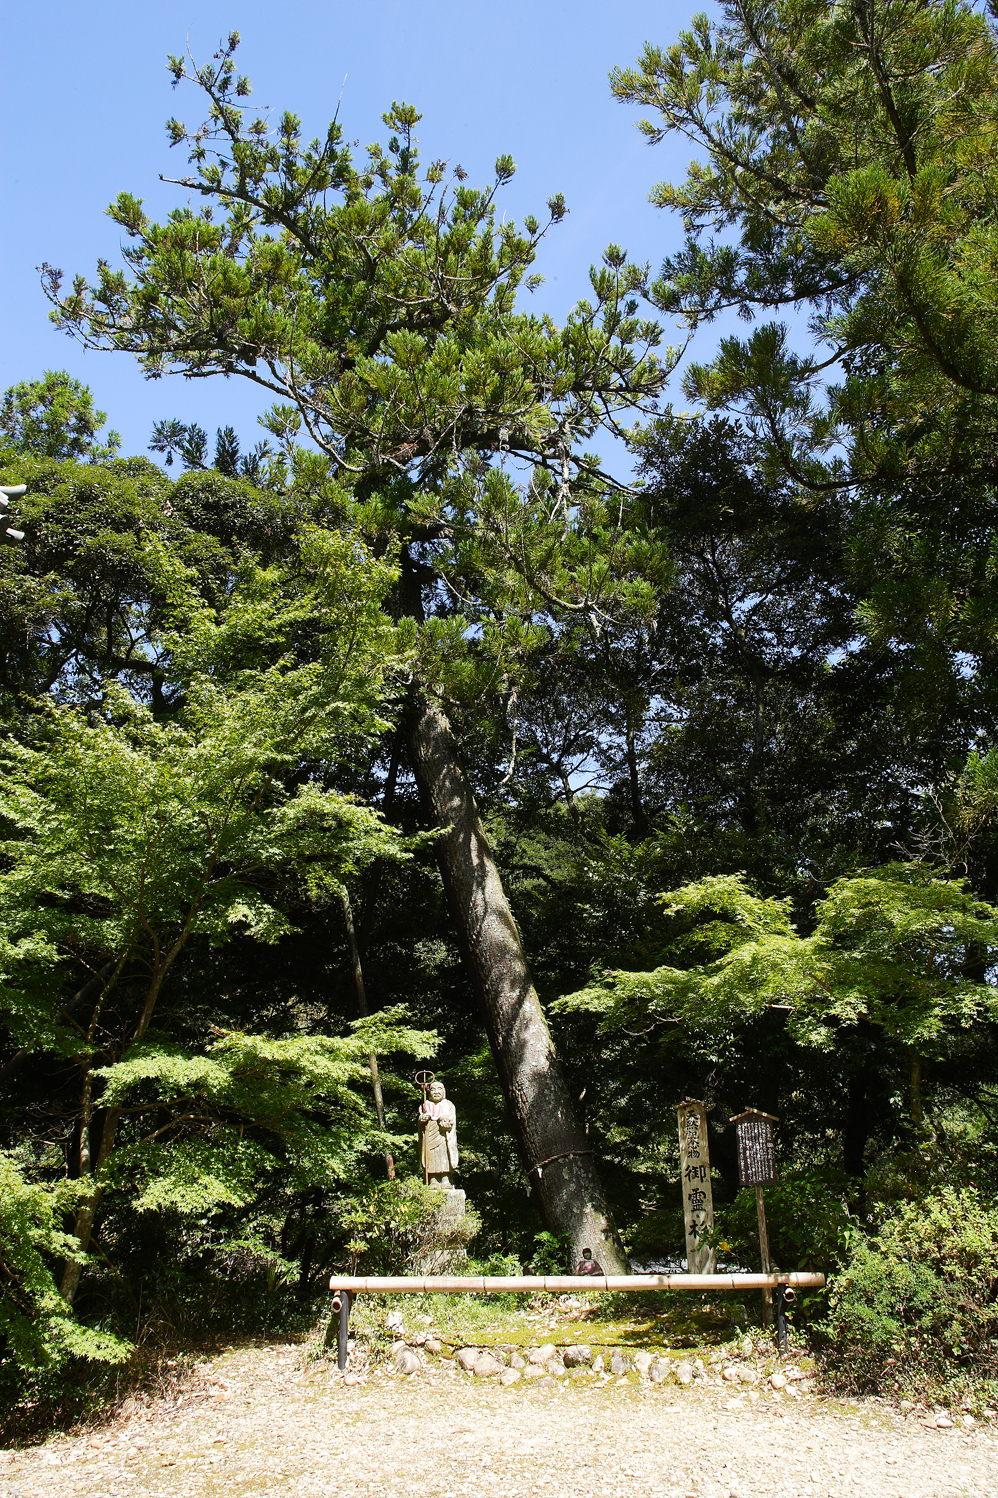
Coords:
pixel 554 1148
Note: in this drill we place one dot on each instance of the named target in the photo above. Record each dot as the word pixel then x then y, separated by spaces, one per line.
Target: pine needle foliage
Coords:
pixel 380 301
pixel 846 167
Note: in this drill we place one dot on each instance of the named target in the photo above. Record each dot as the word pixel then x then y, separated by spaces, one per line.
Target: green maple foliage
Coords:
pixel 897 948
pixel 36 1324
pixel 169 789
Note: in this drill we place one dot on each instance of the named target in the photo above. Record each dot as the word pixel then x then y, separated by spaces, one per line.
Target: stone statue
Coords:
pixel 438 1137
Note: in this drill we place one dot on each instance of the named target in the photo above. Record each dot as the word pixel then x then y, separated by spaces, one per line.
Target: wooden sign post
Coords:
pixel 757 1167
pixel 694 1177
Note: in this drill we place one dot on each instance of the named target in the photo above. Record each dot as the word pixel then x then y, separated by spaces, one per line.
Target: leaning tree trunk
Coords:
pixel 555 1151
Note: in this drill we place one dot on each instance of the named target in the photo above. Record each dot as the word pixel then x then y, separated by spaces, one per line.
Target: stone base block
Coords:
pixel 448 1253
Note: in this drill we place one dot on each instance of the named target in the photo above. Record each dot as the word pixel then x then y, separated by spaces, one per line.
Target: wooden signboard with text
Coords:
pixel 694 1176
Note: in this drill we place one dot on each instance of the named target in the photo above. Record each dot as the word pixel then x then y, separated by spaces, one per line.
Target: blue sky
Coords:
pixel 86 93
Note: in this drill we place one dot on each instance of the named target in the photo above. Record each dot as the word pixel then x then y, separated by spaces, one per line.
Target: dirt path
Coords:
pixel 261 1421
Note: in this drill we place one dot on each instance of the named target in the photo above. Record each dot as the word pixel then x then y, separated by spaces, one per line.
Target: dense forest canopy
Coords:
pixel 604 787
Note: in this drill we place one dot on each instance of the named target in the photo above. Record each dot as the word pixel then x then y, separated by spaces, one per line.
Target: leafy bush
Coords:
pixel 952 1156
pixel 395 1224
pixel 37 1331
pixel 552 1254
pixel 507 1265
pixel 658 1236
pixel 808 1219
pixel 916 1309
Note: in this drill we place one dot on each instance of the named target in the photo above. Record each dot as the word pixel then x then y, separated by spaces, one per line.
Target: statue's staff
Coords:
pixel 424 1078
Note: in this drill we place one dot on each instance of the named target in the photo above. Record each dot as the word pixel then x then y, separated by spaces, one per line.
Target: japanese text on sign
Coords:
pixel 756 1148
pixel 694 1177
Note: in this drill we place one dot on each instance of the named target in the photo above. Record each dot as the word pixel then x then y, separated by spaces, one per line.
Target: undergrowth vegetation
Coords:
pixel 914 1312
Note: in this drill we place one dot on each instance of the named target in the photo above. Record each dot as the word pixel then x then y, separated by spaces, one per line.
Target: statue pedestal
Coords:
pixel 446 1250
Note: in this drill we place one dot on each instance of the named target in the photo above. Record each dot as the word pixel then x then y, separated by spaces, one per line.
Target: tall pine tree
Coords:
pixel 377 303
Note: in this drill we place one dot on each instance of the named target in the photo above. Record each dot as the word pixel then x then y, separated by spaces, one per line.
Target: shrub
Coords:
pixel 916 1309
pixel 658 1236
pixel 507 1265
pixel 38 1333
pixel 552 1254
pixel 808 1220
pixel 396 1224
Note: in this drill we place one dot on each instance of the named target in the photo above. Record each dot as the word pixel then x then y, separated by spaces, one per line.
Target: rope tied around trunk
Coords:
pixel 551 1158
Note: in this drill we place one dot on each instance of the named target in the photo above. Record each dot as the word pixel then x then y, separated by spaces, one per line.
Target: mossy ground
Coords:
pixel 670 1324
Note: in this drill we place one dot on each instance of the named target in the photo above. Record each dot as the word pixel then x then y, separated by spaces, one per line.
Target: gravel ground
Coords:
pixel 264 1420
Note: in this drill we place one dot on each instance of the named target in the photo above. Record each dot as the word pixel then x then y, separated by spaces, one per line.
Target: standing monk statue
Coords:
pixel 438 1137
